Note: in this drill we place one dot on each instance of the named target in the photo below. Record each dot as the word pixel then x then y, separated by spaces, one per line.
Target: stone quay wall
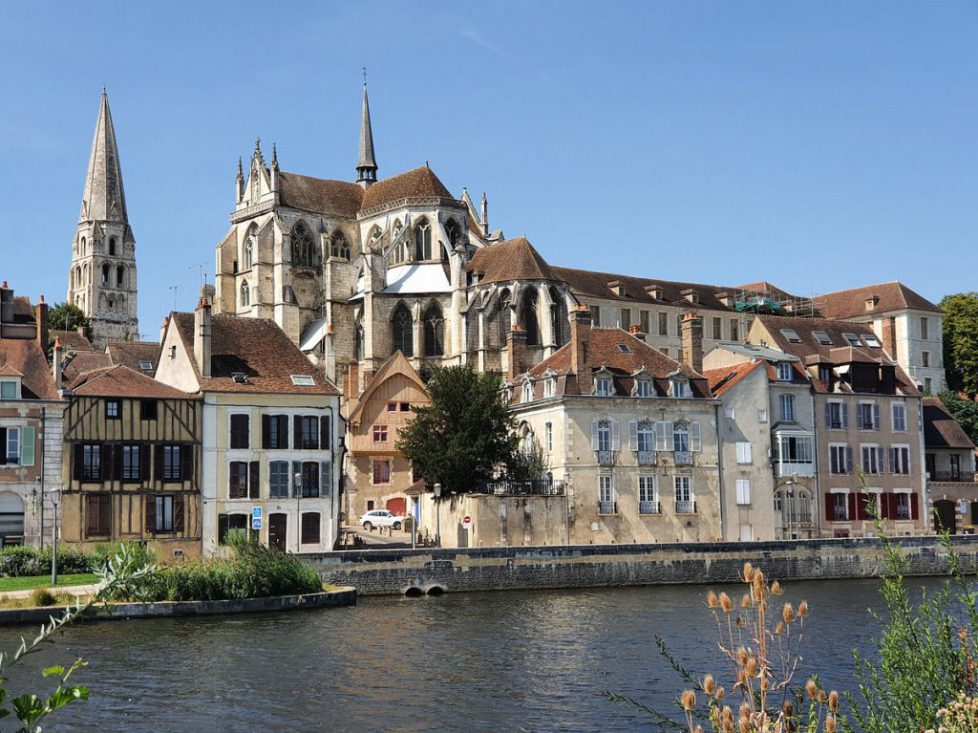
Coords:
pixel 414 572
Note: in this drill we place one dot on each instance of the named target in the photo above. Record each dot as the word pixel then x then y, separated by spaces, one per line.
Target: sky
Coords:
pixel 818 146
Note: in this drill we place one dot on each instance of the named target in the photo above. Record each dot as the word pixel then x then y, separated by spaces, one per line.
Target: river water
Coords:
pixel 513 661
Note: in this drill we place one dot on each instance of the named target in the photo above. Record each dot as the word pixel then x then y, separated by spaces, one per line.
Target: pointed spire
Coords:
pixel 104 198
pixel 366 163
pixel 239 182
pixel 274 157
pixel 485 214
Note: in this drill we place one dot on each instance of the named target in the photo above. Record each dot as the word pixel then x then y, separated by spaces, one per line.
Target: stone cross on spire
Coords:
pixel 366 163
pixel 104 198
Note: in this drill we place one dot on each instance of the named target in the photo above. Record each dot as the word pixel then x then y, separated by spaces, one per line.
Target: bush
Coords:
pixel 42 597
pixel 19 561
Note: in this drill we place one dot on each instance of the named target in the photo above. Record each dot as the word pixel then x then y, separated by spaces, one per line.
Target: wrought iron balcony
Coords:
pixel 685 507
pixel 606 457
pixel 952 476
pixel 645 457
pixel 683 458
pixel 607 507
pixel 538 487
pixel 649 507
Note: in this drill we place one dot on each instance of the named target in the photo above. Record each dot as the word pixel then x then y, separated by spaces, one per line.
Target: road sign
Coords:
pixel 256 512
pixel 256 523
pixel 466 521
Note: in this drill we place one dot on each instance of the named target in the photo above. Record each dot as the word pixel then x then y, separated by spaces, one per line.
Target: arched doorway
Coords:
pixel 11 519
pixel 945 519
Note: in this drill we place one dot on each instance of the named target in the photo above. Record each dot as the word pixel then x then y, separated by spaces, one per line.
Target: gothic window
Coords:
pixel 71 280
pixel 247 254
pixel 422 240
pixel 375 234
pixel 105 274
pixel 120 276
pixel 505 316
pixel 403 330
pixel 78 277
pixel 528 317
pixel 82 246
pixel 245 294
pixel 111 304
pixel 112 246
pixel 303 248
pixel 339 247
pixel 558 318
pixel 434 331
pixel 454 232
pixel 358 341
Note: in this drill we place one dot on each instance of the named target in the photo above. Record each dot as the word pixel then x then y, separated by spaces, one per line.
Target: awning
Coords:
pixel 315 332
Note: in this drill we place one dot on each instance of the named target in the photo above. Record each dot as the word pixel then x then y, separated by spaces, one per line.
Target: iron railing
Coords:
pixel 685 507
pixel 607 507
pixel 649 507
pixel 645 457
pixel 537 487
pixel 606 457
pixel 952 476
pixel 683 458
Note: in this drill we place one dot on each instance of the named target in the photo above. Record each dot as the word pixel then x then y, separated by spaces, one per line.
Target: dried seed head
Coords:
pixel 744 725
pixel 830 723
pixel 748 572
pixel 834 701
pixel 711 600
pixel 745 601
pixel 788 708
pixel 788 613
pixel 803 609
pixel 741 656
pixel 699 729
pixel 823 697
pixel 811 689
pixel 725 603
pixel 779 629
pixel 740 622
pixel 775 588
pixel 721 693
pixel 709 684
pixel 751 667
pixel 688 700
pixel 765 684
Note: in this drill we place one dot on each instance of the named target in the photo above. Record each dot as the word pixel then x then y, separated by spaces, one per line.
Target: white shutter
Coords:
pixel 663 434
pixel 876 416
pixel 594 435
pixel 633 434
pixel 615 436
pixel 743 452
pixel 743 491
pixel 845 415
pixel 695 443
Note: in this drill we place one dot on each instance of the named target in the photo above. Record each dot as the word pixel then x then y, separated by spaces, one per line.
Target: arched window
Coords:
pixel 248 251
pixel 78 277
pixel 375 234
pixel 454 232
pixel 120 276
pixel 105 274
pixel 559 325
pixel 528 318
pixel 303 248
pixel 422 240
pixel 680 437
pixel 505 316
pixel 358 341
pixel 82 246
pixel 339 247
pixel 112 246
pixel 434 331
pixel 245 294
pixel 402 328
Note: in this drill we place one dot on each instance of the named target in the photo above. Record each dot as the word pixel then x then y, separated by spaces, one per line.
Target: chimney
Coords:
pixel 516 350
pixel 889 337
pixel 580 337
pixel 352 385
pixel 636 331
pixel 202 336
pixel 57 361
pixel 691 328
pixel 41 314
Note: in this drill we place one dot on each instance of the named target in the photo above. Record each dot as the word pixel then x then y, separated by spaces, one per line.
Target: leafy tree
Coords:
pixel 464 435
pixel 961 341
pixel 68 317
pixel 965 411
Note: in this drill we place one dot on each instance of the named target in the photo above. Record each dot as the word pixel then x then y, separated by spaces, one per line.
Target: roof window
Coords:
pixel 303 380
pixel 871 340
pixel 792 335
pixel 239 377
pixel 852 339
pixel 823 337
pixel 623 348
pixel 146 366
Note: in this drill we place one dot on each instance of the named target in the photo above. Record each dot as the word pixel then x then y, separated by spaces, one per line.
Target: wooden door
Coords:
pixel 277 531
pixel 945 518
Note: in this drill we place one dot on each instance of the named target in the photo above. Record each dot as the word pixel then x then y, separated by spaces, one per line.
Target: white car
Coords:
pixel 381 518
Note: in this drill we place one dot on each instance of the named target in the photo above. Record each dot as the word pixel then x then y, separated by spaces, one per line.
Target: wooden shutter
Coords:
pixel 845 415
pixel 324 426
pixel 266 431
pixel 78 459
pixel 663 434
pixel 144 460
pixel 297 429
pixel 913 506
pixel 106 465
pixel 633 434
pixel 158 462
pixel 615 436
pixel 853 511
pixel 178 510
pixel 3 446
pixel 187 462
pixel 849 466
pixel 105 514
pixel 695 441
pixel 254 488
pixel 27 438
pixel 91 515
pixel 829 507
pixel 892 461
pixel 297 468
pixel 325 478
pixel 150 502
pixel 222 528
pixel 876 416
pixel 283 430
pixel 885 505
pixel 860 505
pixel 594 435
pixel 117 452
pixel 828 414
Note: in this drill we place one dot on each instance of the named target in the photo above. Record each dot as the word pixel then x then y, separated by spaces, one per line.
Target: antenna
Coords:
pixel 174 288
pixel 200 272
pixel 364 75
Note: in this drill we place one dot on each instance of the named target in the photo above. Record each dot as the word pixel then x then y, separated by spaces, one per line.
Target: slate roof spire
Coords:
pixel 366 163
pixel 104 198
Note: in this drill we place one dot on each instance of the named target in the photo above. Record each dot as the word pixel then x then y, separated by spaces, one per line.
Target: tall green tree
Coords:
pixel 465 435
pixel 965 411
pixel 961 341
pixel 68 317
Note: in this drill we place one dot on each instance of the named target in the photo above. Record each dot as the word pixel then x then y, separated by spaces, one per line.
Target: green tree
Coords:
pixel 68 317
pixel 965 411
pixel 961 341
pixel 465 435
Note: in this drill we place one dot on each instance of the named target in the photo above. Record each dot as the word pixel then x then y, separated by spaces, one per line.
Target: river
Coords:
pixel 513 661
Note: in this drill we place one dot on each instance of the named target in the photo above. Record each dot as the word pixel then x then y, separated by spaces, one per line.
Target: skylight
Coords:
pixel 623 348
pixel 852 338
pixel 792 335
pixel 239 377
pixel 823 338
pixel 303 380
pixel 871 340
pixel 146 366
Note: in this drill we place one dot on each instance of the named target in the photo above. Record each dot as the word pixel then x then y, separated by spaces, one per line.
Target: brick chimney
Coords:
pixel 636 331
pixel 57 365
pixel 580 337
pixel 41 315
pixel 516 350
pixel 202 336
pixel 889 337
pixel 691 330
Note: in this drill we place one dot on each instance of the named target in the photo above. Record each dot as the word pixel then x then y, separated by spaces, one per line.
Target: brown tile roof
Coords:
pixel 839 351
pixel 514 259
pixel 417 182
pixel 72 340
pixel 940 429
pixel 319 195
pixel 121 381
pixel 23 310
pixel 597 284
pixel 891 296
pixel 724 378
pixel 132 353
pixel 26 357
pixel 82 362
pixel 255 347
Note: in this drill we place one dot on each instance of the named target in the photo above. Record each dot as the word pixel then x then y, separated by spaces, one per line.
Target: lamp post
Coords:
pixel 55 500
pixel 438 514
pixel 298 499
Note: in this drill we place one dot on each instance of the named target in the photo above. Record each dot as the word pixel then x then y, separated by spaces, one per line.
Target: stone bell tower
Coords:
pixel 102 277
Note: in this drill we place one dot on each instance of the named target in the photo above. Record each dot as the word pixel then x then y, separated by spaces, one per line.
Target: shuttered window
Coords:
pixel 91 462
pixel 98 515
pixel 381 472
pixel 131 468
pixel 275 432
pixel 278 479
pixel 310 528
pixel 240 429
pixel 744 452
pixel 238 480
pixel 743 492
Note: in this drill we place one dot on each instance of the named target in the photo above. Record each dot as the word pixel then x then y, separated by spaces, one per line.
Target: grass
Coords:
pixel 44 581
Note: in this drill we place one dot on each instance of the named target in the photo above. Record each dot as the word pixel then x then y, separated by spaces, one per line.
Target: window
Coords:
pixel 680 387
pixel 868 414
pixel 924 328
pixel 840 458
pixel 604 387
pixel 762 415
pixel 792 335
pixel 405 407
pixel 278 479
pixel 382 472
pixel 624 349
pixel 852 339
pixel 663 319
pixel 925 358
pixel 684 494
pixel 402 326
pixel 148 409
pixel 899 413
pixel 836 415
pixel 648 495
pixel 527 391
pixel 785 371
pixel 548 437
pixel 173 463
pixel 606 495
pixel 228 524
pixel 871 459
pixel 339 247
pixel 8 390
pixel 871 340
pixel 422 241
pixel 310 528
pixel 643 317
pixel 928 385
pixel 899 459
pixel 146 366
pixel 275 429
pixel 823 337
pixel 303 380
pixel 105 274
pixel 595 315
pixel 787 402
pixel 98 510
pixel 680 438
pixel 303 247
pixel 626 319
pixel 743 492
pixel 164 513
pixel 840 507
pixel 902 504
pixel 240 427
pixel 113 410
pixel 744 452
pixel 112 246
pixel 380 433
pixel 734 329
pixel 644 436
pixel 238 480
pixel 604 435
pixel 434 331
pixel 549 387
pixel 309 425
pixel 91 461
pixel 131 468
pixel 391 407
pixel 730 412
pixel 244 296
pixel 12 445
pixel 717 328
pixel 310 479
pixel 793 449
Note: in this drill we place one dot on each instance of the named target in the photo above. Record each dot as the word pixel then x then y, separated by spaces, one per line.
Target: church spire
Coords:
pixel 366 164
pixel 104 198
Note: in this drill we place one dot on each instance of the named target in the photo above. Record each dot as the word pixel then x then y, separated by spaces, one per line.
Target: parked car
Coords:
pixel 381 518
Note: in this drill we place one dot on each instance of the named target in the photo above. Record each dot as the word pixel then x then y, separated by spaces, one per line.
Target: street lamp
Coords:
pixel 298 498
pixel 437 514
pixel 55 500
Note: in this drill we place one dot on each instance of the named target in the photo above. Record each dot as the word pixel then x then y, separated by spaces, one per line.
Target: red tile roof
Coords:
pixel 121 381
pixel 419 182
pixel 597 284
pixel 838 351
pixel 133 353
pixel 514 259
pixel 84 361
pixel 725 378
pixel 26 357
pixel 941 430
pixel 72 340
pixel 319 195
pixel 892 296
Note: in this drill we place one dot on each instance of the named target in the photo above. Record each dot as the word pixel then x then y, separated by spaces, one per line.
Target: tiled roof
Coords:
pixel 889 297
pixel 838 351
pixel 72 340
pixel 255 347
pixel 319 195
pixel 23 310
pixel 940 429
pixel 514 259
pixel 84 361
pixel 597 284
pixel 725 378
pixel 26 357
pixel 121 381
pixel 133 353
pixel 417 182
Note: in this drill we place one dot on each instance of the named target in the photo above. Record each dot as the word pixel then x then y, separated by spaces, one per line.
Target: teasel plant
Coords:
pixel 759 640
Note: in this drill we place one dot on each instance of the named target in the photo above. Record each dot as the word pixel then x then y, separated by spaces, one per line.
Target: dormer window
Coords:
pixel 528 391
pixel 10 389
pixel 680 387
pixel 146 366
pixel 239 377
pixel 691 295
pixel 871 302
pixel 785 371
pixel 604 386
pixel 643 387
pixel 549 387
pixel 655 292
pixel 792 335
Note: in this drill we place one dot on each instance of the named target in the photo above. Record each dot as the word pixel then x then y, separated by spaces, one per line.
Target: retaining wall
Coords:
pixel 387 572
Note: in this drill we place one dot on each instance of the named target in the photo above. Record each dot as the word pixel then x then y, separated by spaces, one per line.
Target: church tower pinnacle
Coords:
pixel 366 164
pixel 102 277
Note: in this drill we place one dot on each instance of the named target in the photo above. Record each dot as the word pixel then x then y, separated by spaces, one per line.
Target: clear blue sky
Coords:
pixel 815 145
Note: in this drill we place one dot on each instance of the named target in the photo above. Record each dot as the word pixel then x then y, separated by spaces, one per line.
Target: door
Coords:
pixel 11 519
pixel 945 516
pixel 397 506
pixel 277 529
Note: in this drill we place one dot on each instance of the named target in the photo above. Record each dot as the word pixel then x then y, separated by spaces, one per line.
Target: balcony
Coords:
pixel 539 487
pixel 685 507
pixel 793 468
pixel 952 476
pixel 683 458
pixel 645 457
pixel 607 507
pixel 606 457
pixel 649 507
